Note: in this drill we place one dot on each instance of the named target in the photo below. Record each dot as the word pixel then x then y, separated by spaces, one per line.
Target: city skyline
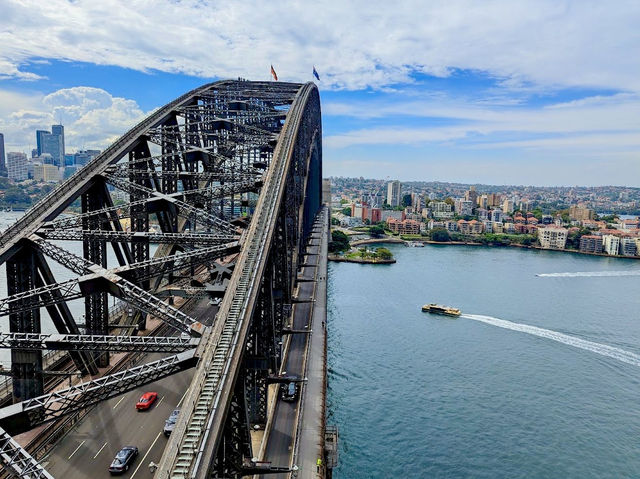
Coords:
pixel 537 93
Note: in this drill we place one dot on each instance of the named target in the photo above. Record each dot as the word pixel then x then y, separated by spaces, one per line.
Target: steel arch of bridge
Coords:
pixel 231 172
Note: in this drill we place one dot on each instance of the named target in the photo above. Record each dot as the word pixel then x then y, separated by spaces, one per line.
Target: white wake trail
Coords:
pixel 588 274
pixel 598 348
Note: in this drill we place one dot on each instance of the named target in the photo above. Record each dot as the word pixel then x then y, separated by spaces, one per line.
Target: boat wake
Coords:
pixel 598 348
pixel 589 274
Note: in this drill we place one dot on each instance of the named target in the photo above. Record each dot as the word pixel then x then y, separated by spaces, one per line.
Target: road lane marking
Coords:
pixel 76 450
pixel 181 399
pixel 118 402
pixel 100 450
pixel 145 456
pixel 160 401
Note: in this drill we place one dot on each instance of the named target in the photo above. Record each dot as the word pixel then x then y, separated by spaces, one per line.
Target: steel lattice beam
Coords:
pixel 122 288
pixel 27 414
pixel 92 342
pixel 18 462
pixel 126 236
pixel 197 213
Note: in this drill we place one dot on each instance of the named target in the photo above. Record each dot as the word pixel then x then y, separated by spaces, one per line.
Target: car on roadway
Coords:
pixel 170 423
pixel 146 401
pixel 289 391
pixel 123 460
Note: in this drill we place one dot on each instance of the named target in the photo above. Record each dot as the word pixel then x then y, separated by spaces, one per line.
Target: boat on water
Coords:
pixel 440 309
pixel 414 244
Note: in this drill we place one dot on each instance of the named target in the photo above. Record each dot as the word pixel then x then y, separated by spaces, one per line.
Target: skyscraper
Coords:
pixel 394 193
pixel 39 140
pixel 3 165
pixel 59 130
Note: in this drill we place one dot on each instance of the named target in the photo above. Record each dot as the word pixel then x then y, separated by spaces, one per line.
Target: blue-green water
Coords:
pixel 417 395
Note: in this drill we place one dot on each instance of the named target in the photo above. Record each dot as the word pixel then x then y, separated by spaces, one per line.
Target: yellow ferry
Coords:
pixel 439 309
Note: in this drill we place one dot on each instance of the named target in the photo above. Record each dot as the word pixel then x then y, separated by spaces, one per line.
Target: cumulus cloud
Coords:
pixel 354 45
pixel 92 117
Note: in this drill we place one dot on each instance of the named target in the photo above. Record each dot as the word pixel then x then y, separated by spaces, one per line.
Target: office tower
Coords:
pixel 394 193
pixel 3 165
pixel 52 144
pixel 59 131
pixel 39 140
pixel 17 166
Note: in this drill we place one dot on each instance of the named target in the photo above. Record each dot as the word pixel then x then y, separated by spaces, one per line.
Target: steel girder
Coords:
pixel 68 290
pixel 24 317
pixel 95 251
pixel 17 461
pixel 228 129
pixel 214 381
pixel 92 342
pixel 31 412
pixel 103 279
pixel 197 214
pixel 132 236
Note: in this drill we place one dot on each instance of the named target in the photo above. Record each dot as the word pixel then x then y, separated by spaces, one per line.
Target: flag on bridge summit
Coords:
pixel 273 74
pixel 315 73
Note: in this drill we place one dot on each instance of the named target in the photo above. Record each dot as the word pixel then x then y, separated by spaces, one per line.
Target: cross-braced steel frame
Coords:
pixel 228 173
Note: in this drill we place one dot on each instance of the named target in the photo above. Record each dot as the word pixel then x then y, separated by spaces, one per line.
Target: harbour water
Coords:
pixel 539 378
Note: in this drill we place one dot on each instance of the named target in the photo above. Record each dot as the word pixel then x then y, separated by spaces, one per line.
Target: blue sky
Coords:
pixel 500 91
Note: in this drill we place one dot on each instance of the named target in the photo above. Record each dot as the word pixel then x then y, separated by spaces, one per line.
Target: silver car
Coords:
pixel 170 423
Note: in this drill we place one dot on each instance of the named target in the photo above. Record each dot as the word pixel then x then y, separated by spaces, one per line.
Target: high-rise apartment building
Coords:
pixel 471 195
pixel 17 166
pixel 394 193
pixel 611 244
pixel 3 165
pixel 463 207
pixel 581 213
pixel 552 237
pixel 507 206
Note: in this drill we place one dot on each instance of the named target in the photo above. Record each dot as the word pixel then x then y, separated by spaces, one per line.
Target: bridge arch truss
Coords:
pixel 228 174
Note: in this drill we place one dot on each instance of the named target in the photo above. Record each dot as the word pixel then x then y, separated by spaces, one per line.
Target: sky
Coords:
pixel 494 91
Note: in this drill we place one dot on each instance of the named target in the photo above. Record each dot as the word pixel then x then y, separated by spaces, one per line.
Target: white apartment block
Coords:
pixel 611 244
pixel 440 209
pixel 552 238
pixel 463 207
pixel 394 193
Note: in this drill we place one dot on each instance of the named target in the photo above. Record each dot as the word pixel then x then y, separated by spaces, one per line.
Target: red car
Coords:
pixel 146 401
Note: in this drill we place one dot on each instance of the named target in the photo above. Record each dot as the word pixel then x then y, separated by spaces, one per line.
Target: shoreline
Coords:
pixel 393 240
pixel 342 259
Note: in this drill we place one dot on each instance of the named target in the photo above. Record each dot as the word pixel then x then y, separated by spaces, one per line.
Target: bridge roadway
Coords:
pixel 281 441
pixel 89 448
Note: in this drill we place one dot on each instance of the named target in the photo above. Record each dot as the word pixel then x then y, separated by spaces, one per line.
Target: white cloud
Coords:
pixel 91 116
pixel 524 44
pixel 611 122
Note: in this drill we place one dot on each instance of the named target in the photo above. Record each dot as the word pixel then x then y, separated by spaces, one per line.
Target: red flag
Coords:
pixel 273 74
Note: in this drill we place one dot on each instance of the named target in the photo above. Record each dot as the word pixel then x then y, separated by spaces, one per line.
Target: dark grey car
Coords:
pixel 123 460
pixel 170 423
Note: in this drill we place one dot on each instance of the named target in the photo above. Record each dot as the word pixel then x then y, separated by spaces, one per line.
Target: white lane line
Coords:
pixel 76 450
pixel 181 399
pixel 145 456
pixel 160 401
pixel 118 402
pixel 100 450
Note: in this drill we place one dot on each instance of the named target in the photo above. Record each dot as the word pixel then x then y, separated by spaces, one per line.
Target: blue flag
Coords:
pixel 315 73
